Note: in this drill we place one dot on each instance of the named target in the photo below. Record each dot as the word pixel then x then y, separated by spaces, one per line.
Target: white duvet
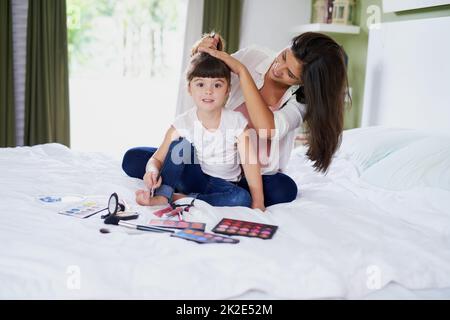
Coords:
pixel 341 238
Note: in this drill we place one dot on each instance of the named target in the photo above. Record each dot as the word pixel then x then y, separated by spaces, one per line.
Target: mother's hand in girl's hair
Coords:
pixel 208 42
pixel 235 65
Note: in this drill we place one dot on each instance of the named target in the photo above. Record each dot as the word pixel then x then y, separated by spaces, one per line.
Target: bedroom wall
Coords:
pixel 269 23
pixel 356 48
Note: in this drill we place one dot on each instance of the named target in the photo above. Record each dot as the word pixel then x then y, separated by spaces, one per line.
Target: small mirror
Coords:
pixel 113 203
pixel 117 209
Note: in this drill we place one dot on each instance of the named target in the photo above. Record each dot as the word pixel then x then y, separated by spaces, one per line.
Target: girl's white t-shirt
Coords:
pixel 216 150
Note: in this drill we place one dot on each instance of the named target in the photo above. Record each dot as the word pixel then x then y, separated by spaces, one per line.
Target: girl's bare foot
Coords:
pixel 143 198
pixel 178 196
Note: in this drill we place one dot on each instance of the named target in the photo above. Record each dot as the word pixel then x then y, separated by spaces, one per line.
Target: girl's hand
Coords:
pixel 150 179
pixel 235 65
pixel 258 205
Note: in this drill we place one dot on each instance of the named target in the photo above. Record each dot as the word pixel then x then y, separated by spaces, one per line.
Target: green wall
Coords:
pixel 356 48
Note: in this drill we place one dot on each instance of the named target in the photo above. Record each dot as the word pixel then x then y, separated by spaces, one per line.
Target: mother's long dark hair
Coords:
pixel 324 84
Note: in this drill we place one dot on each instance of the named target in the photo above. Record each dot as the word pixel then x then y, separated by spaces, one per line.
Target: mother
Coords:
pixel 304 83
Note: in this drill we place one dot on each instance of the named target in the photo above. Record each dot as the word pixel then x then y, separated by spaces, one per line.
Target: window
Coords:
pixel 125 63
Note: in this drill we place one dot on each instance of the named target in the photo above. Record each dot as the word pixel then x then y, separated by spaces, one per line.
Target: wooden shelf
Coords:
pixel 324 27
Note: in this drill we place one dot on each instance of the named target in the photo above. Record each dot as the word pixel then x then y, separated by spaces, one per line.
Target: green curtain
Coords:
pixel 7 113
pixel 47 80
pixel 224 17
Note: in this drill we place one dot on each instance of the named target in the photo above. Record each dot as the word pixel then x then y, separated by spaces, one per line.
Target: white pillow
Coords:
pixel 425 163
pixel 366 146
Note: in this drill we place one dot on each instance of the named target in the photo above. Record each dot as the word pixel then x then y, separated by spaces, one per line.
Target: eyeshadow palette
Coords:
pixel 245 228
pixel 177 224
pixel 84 209
pixel 203 237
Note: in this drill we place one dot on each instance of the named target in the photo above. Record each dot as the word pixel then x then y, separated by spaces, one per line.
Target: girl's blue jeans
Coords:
pixel 187 177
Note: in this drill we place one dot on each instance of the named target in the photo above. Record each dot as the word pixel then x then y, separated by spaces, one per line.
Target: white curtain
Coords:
pixel 20 15
pixel 193 32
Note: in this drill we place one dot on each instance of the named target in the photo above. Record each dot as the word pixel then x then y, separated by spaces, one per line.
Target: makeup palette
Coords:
pixel 177 224
pixel 202 237
pixel 84 209
pixel 245 228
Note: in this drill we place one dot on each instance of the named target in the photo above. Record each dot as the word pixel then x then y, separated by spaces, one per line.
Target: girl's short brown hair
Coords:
pixel 203 65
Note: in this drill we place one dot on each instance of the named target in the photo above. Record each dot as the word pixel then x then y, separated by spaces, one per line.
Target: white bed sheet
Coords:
pixel 340 239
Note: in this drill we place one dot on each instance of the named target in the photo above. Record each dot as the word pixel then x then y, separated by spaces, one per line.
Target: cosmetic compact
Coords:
pixel 119 209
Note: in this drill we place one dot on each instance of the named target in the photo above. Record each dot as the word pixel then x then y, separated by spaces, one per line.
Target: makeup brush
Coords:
pixel 112 219
pixel 152 190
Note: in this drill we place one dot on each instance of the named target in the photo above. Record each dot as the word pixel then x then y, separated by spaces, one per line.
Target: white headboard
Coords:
pixel 408 75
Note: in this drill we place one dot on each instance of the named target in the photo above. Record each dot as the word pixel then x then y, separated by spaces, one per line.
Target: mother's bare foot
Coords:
pixel 143 198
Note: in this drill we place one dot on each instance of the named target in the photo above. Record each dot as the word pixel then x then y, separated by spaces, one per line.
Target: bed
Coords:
pixel 377 226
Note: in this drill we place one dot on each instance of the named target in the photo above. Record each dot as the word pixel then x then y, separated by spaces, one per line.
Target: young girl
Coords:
pixel 206 142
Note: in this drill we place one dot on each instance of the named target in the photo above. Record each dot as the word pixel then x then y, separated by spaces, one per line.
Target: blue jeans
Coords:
pixel 184 175
pixel 278 188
